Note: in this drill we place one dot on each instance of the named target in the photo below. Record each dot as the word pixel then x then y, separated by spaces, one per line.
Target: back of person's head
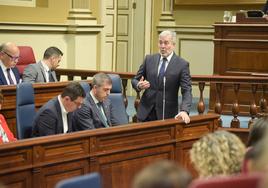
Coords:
pixel 52 51
pixel 257 131
pixel 258 155
pixel 101 78
pixel 73 90
pixel 162 174
pixel 218 153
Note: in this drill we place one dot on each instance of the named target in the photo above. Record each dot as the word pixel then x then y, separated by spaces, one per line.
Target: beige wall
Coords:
pixel 48 11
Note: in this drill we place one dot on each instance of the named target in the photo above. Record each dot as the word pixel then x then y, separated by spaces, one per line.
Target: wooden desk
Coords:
pixel 239 50
pixel 117 153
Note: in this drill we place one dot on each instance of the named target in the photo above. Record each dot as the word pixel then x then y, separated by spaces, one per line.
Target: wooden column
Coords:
pixel 80 12
pixel 166 18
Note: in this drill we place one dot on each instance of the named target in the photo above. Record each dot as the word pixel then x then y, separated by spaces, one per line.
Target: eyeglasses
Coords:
pixel 13 58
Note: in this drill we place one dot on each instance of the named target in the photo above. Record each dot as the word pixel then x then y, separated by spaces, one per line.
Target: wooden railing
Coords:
pixel 117 153
pixel 255 106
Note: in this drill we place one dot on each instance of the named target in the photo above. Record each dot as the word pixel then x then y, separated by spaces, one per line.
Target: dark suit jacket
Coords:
pixel 35 73
pixel 89 117
pixel 48 120
pixel 177 76
pixel 3 80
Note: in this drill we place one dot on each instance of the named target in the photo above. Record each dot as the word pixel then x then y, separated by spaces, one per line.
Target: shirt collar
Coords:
pixel 168 57
pixel 4 68
pixel 94 98
pixel 63 110
pixel 45 66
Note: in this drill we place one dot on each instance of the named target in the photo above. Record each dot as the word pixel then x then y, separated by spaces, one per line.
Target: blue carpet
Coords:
pixel 226 120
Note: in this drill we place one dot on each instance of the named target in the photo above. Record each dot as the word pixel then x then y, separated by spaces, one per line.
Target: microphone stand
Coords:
pixel 164 97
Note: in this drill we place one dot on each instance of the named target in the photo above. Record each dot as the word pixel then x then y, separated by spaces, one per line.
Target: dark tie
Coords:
pixel 162 69
pixel 50 77
pixel 99 104
pixel 9 77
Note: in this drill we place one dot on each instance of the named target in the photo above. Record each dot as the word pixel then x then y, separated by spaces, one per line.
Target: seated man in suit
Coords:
pixel 9 56
pixel 44 71
pixel 55 116
pixel 96 112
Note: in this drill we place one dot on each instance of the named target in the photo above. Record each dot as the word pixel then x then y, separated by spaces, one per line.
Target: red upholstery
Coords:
pixel 239 181
pixel 26 57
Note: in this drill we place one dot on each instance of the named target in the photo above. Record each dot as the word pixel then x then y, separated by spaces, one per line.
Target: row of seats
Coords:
pixel 25 105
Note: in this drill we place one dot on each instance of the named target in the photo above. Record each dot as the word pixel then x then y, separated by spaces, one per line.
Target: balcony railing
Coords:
pixel 256 83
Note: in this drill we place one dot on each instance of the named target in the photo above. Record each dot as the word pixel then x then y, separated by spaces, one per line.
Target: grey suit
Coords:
pixel 89 117
pixel 177 76
pixel 48 120
pixel 36 73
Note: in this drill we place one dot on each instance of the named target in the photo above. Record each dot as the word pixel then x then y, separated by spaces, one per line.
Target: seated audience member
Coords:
pixel 44 70
pixel 55 116
pixel 162 174
pixel 9 56
pixel 218 153
pixel 96 111
pixel 256 133
pixel 257 156
pixel 5 134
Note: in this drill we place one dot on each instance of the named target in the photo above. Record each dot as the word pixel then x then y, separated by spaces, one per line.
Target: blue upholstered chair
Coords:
pixel 117 100
pixel 25 110
pixel 85 86
pixel 86 181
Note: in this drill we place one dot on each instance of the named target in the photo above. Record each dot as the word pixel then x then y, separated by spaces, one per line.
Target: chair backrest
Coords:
pixel 25 110
pixel 85 86
pixel 239 181
pixel 26 58
pixel 117 100
pixel 86 181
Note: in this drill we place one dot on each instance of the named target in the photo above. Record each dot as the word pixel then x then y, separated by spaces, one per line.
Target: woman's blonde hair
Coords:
pixel 218 153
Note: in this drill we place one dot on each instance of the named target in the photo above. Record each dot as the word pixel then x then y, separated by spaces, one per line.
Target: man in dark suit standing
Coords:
pixel 55 117
pixel 9 56
pixel 96 112
pixel 44 71
pixel 161 75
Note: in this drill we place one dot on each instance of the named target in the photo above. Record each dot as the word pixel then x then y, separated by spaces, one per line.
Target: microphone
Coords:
pixel 164 96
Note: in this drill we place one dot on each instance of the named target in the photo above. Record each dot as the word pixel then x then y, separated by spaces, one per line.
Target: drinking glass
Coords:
pixel 227 16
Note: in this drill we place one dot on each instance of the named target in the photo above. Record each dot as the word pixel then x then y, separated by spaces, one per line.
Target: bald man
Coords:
pixel 9 56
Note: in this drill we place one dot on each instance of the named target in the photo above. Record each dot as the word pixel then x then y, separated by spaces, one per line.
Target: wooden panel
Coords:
pixel 53 174
pixel 123 27
pixel 129 163
pixel 109 25
pixel 17 179
pixel 14 159
pixel 122 55
pixel 61 151
pixel 183 156
pixel 130 140
pixel 240 50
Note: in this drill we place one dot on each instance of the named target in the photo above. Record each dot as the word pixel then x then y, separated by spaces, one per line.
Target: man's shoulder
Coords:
pixel 180 59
